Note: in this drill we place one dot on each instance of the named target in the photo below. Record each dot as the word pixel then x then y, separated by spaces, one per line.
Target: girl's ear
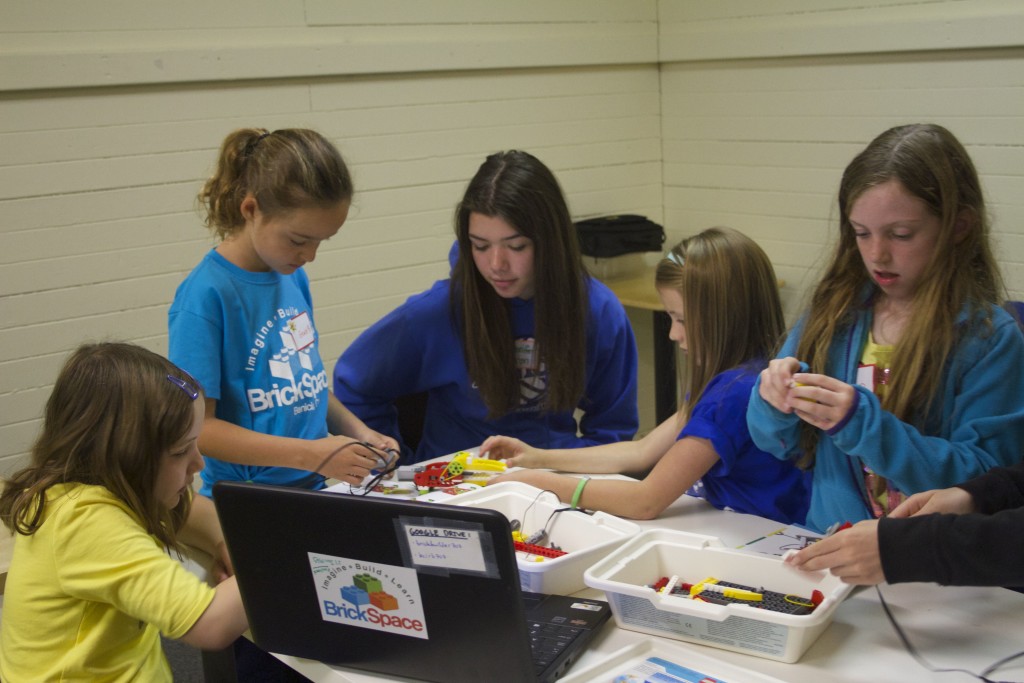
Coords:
pixel 249 207
pixel 963 225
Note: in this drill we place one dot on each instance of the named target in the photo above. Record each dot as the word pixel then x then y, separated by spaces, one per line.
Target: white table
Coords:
pixel 952 627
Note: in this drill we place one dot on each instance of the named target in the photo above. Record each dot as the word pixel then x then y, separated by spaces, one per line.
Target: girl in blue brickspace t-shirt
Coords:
pixel 242 321
pixel 720 291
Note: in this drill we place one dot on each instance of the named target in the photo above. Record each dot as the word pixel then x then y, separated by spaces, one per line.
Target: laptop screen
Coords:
pixel 421 590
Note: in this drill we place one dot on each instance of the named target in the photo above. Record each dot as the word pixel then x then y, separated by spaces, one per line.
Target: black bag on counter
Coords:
pixel 609 236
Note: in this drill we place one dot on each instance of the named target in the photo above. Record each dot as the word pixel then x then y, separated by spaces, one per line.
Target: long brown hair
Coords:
pixel 731 304
pixel 114 412
pixel 517 188
pixel 931 164
pixel 287 169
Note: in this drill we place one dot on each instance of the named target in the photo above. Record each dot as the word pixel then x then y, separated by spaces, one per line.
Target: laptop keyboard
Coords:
pixel 547 641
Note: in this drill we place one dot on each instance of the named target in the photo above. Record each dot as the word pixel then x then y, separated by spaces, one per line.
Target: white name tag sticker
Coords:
pixel 866 377
pixel 526 354
pixel 301 328
pixel 447 548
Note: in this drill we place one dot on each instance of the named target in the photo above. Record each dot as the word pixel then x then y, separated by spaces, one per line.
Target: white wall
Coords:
pixel 111 115
pixel 764 104
pixel 693 112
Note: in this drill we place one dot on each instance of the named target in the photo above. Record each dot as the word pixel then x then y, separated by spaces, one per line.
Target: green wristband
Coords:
pixel 578 492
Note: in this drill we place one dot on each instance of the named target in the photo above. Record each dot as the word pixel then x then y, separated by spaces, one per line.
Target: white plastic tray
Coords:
pixel 626 573
pixel 586 537
pixel 618 665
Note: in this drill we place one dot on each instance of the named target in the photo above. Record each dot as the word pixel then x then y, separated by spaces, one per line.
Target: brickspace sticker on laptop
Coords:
pixel 367 595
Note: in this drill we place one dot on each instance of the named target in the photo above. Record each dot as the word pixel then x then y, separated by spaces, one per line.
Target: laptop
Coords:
pixel 404 588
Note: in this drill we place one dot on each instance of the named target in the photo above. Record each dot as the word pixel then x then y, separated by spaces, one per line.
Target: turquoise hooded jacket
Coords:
pixel 976 424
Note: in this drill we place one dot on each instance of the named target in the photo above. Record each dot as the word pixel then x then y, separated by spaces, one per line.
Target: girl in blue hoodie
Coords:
pixel 519 340
pixel 906 374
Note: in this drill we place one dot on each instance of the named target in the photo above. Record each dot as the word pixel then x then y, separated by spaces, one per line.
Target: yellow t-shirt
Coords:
pixel 88 594
pixel 883 496
pixel 880 356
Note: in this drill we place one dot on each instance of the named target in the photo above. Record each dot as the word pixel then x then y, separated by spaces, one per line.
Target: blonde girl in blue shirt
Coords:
pixel 719 289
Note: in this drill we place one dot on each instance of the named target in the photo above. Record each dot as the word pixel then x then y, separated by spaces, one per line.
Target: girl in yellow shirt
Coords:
pixel 109 492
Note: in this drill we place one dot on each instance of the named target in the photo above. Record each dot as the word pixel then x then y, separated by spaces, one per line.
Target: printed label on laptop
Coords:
pixel 439 546
pixel 380 597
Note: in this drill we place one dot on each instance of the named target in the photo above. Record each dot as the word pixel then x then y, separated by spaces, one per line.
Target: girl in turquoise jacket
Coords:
pixel 905 374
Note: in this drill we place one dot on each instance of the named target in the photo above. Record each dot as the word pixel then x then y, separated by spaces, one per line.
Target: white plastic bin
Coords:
pixel 626 574
pixel 586 538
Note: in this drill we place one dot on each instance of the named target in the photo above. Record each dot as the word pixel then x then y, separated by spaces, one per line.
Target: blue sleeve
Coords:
pixel 772 430
pixel 609 407
pixel 720 417
pixel 195 345
pixel 389 359
pixel 195 326
pixel 982 418
pixel 744 478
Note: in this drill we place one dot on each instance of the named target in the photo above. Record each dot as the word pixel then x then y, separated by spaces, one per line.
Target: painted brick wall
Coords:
pixel 694 113
pixel 110 119
pixel 764 104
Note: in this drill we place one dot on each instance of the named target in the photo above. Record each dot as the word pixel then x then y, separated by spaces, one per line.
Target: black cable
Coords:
pixel 983 676
pixel 389 460
pixel 535 499
pixel 1002 662
pixel 330 456
pixel 538 537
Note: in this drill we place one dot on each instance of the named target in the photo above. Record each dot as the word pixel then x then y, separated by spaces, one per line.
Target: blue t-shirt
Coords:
pixel 745 478
pixel 249 338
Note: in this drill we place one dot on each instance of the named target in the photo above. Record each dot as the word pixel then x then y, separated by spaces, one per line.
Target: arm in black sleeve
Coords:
pixel 1001 488
pixel 957 550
